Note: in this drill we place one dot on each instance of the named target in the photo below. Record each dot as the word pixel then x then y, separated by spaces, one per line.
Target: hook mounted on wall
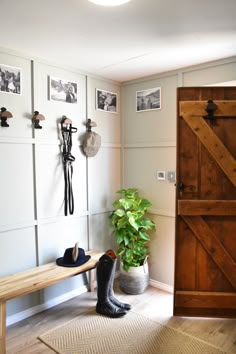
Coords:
pixel 66 123
pixel 37 117
pixel 89 124
pixel 4 115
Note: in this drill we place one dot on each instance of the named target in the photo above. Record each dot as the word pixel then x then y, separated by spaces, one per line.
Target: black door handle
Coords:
pixel 181 187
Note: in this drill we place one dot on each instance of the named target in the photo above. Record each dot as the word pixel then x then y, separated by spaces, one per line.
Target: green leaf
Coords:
pixel 132 221
pixel 145 204
pixel 119 212
pixel 148 224
pixel 126 240
pixel 121 223
pixel 119 238
pixel 144 236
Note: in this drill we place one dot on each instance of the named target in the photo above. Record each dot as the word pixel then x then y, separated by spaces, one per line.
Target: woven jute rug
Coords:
pixel 92 333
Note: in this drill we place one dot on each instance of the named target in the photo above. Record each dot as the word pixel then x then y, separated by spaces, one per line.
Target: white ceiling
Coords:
pixel 133 40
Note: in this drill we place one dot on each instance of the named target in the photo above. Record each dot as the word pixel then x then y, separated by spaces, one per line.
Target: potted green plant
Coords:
pixel 130 225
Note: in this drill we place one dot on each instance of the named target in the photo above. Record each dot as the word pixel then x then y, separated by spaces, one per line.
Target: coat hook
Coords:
pixel 4 115
pixel 37 117
pixel 89 124
pixel 66 125
pixel 65 121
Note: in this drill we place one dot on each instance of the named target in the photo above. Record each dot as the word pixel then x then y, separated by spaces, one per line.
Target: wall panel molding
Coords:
pixel 162 212
pixel 18 226
pixel 110 145
pixel 150 145
pixel 62 218
pixel 16 140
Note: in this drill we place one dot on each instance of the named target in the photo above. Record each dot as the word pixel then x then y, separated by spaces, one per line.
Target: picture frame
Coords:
pixel 10 79
pixel 106 101
pixel 148 100
pixel 62 90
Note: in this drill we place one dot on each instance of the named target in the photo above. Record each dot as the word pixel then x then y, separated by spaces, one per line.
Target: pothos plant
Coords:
pixel 130 225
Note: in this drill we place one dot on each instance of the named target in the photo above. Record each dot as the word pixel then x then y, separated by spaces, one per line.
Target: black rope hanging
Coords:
pixel 68 159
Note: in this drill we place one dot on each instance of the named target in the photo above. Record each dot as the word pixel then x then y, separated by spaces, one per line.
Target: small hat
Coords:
pixel 73 257
pixel 91 143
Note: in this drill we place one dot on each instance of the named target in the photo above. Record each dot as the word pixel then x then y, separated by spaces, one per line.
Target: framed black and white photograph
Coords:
pixel 148 100
pixel 62 90
pixel 10 79
pixel 106 101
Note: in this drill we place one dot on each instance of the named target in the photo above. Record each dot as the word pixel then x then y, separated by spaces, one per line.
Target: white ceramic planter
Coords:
pixel 135 281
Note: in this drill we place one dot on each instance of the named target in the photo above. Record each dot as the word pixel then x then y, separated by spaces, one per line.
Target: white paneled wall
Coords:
pixel 17 179
pixel 33 228
pixel 151 159
pixel 104 176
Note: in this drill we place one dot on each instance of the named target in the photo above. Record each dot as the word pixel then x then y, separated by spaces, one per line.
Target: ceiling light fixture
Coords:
pixel 109 2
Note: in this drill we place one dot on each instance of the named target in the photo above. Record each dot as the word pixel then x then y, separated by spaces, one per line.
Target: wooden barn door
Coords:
pixel 205 251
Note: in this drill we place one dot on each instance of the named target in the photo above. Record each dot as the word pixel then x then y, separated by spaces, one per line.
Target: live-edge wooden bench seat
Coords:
pixel 30 280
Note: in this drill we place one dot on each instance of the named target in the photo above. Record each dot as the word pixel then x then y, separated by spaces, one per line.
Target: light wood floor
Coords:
pixel 155 304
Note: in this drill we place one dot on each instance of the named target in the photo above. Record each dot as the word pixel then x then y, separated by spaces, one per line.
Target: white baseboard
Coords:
pixel 162 286
pixel 47 305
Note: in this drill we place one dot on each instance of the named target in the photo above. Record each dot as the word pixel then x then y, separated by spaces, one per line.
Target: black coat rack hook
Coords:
pixel 37 117
pixel 65 120
pixel 90 124
pixel 66 125
pixel 4 115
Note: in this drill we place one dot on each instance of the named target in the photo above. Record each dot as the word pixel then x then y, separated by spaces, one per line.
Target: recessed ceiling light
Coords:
pixel 109 2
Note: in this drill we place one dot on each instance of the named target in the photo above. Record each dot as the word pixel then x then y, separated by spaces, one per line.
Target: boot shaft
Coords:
pixel 105 271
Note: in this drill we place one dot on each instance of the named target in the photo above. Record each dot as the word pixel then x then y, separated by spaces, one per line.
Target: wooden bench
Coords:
pixel 37 278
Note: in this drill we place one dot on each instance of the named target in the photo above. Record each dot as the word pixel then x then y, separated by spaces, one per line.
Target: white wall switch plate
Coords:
pixel 171 176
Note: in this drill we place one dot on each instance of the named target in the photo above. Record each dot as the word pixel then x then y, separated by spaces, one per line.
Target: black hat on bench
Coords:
pixel 73 257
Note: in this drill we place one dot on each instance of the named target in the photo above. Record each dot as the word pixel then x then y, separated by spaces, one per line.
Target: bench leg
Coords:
pixel 3 328
pixel 91 279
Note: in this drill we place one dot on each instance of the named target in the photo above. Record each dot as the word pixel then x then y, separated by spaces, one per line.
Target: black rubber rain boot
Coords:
pixel 112 298
pixel 104 305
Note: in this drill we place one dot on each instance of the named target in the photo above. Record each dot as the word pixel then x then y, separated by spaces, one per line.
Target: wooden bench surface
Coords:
pixel 40 277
